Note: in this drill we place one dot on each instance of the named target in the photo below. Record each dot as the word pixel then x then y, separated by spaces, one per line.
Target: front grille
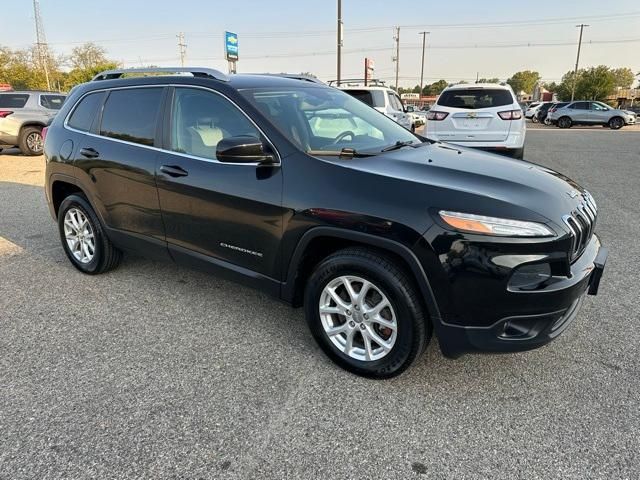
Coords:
pixel 581 223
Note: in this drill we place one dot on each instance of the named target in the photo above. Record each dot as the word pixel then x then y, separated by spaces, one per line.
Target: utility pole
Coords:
pixel 575 72
pixel 424 36
pixel 397 40
pixel 42 48
pixel 340 31
pixel 182 47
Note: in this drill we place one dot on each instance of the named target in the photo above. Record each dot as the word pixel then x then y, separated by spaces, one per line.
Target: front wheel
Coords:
pixel 534 119
pixel 365 313
pixel 83 238
pixel 616 123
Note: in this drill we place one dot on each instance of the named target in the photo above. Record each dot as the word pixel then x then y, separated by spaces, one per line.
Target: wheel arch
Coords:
pixel 61 187
pixel 319 242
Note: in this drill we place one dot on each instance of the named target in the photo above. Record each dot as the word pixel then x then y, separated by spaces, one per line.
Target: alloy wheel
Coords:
pixel 358 318
pixel 79 235
pixel 34 142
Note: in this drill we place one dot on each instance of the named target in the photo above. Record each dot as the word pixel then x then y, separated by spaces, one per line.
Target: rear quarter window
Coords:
pixel 373 98
pixel 85 111
pixel 473 99
pixel 52 102
pixel 13 100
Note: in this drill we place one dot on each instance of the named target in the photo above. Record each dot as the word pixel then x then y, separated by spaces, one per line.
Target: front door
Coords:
pixel 230 214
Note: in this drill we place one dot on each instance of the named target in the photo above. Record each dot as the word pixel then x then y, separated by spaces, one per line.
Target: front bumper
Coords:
pixel 536 317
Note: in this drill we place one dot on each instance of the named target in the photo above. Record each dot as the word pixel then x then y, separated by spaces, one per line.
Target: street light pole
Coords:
pixel 424 36
pixel 339 61
pixel 397 39
pixel 575 72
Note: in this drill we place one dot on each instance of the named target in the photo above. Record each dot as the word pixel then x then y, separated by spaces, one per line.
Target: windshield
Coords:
pixel 320 119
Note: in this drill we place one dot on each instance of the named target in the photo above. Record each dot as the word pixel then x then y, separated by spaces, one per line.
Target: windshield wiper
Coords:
pixel 397 145
pixel 344 153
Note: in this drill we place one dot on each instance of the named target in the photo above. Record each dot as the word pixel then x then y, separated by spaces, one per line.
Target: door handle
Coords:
pixel 89 152
pixel 174 171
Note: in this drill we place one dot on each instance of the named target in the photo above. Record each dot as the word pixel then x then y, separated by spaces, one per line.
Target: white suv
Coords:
pixel 483 115
pixel 383 99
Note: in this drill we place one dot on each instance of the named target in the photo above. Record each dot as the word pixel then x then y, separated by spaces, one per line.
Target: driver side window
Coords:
pixel 200 119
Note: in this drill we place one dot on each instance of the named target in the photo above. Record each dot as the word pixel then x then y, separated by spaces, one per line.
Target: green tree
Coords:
pixel 435 88
pixel 416 89
pixel 82 75
pixel 624 77
pixel 595 83
pixel 87 56
pixel 524 81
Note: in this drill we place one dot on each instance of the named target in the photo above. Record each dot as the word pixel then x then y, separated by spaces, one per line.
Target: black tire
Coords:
pixel 24 141
pixel 106 257
pixel 564 122
pixel 517 153
pixel 616 123
pixel 534 119
pixel 414 330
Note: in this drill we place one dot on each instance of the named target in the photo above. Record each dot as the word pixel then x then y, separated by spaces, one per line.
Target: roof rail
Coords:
pixel 195 71
pixel 293 76
pixel 371 82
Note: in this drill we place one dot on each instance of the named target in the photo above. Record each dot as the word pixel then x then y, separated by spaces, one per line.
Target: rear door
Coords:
pixel 116 160
pixel 580 112
pixel 473 115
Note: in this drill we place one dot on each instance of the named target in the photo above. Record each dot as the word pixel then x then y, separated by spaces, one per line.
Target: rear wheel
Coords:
pixel 564 122
pixel 616 123
pixel 365 313
pixel 30 141
pixel 534 119
pixel 83 238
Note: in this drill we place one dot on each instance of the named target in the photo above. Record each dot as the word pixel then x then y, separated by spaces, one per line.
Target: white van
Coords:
pixel 482 115
pixel 383 99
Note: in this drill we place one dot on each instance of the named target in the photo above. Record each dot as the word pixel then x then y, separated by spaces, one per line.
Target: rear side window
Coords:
pixel 13 100
pixel 131 115
pixel 84 113
pixel 373 98
pixel 472 99
pixel 52 102
pixel 395 102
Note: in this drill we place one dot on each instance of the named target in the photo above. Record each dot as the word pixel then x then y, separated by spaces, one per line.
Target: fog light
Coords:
pixel 530 277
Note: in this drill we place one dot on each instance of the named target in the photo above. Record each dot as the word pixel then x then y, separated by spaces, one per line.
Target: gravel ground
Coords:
pixel 154 371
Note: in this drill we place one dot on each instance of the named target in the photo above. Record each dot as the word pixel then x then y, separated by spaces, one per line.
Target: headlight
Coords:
pixel 494 226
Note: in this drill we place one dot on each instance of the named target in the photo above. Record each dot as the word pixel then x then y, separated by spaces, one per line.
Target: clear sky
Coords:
pixel 494 38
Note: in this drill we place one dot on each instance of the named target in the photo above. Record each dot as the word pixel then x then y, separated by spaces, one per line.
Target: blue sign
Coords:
pixel 231 46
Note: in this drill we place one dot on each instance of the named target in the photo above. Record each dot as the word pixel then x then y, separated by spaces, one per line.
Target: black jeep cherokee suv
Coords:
pixel 308 194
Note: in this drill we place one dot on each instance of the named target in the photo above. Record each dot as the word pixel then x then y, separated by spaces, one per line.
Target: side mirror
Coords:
pixel 243 149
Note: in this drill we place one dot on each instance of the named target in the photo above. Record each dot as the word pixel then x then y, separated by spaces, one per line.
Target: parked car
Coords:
pixel 383 99
pixel 586 112
pixel 382 235
pixel 484 116
pixel 418 117
pixel 543 111
pixel 23 115
pixel 533 109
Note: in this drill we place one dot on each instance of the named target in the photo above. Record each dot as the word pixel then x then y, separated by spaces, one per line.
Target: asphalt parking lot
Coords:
pixel 154 371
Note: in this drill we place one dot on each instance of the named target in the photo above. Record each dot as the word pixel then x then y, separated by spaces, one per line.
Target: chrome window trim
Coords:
pixel 65 124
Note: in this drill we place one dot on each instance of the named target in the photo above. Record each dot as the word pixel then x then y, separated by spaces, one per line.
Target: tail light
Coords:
pixel 437 116
pixel 5 113
pixel 44 133
pixel 552 109
pixel 511 115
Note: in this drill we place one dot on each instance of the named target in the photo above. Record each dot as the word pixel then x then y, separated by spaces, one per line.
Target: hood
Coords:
pixel 506 185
